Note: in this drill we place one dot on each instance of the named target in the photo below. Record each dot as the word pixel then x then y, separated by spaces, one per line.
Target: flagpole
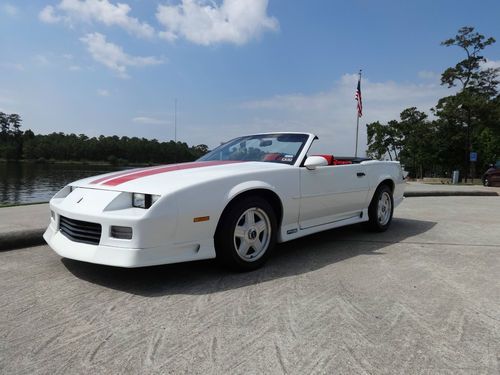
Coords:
pixel 357 122
pixel 357 132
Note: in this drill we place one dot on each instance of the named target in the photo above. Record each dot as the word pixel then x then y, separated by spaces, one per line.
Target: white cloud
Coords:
pixel 113 56
pixel 206 22
pixel 13 66
pixel 48 15
pixel 10 10
pixel 102 92
pixel 101 11
pixel 149 120
pixel 41 60
pixel 491 64
pixel 428 75
pixel 332 114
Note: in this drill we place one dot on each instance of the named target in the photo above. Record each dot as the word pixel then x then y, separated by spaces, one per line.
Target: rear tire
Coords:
pixel 381 209
pixel 246 234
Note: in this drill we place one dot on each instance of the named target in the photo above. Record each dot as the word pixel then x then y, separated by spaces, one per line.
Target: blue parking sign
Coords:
pixel 473 156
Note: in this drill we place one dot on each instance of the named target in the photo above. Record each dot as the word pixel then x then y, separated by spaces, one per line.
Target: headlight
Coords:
pixel 143 200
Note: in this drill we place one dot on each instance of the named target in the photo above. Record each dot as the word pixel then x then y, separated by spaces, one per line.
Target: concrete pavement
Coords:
pixel 421 298
pixel 417 189
pixel 24 225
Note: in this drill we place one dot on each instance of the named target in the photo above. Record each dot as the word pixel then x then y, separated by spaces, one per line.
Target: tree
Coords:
pixel 199 150
pixel 469 71
pixel 15 121
pixel 411 140
pixel 470 112
pixel 4 126
pixel 381 140
pixel 468 120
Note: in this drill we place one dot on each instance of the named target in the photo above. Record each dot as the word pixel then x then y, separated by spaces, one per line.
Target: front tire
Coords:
pixel 246 234
pixel 381 209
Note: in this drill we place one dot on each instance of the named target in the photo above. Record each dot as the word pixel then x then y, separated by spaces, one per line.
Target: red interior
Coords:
pixel 272 157
pixel 332 161
pixel 341 162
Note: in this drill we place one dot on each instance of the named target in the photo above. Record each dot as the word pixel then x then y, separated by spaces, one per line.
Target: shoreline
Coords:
pixel 5 205
pixel 76 162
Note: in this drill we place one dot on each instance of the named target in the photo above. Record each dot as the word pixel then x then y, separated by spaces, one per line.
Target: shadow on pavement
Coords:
pixel 291 258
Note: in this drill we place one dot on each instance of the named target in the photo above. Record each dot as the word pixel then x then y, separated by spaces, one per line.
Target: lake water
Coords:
pixel 30 183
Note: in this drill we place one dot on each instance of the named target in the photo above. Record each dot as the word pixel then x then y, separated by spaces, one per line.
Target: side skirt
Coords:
pixel 288 234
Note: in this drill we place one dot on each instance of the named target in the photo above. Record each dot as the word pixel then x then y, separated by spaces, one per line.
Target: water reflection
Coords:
pixel 31 182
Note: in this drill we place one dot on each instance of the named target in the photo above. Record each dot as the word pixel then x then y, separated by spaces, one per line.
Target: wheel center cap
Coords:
pixel 252 234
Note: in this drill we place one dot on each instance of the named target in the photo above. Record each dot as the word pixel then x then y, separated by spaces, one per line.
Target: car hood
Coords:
pixel 165 179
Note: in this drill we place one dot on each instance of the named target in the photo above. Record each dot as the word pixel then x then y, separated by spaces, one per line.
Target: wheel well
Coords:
pixel 270 196
pixel 388 182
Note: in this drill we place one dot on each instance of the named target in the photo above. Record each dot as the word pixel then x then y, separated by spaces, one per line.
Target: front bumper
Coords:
pixel 125 257
pixel 153 239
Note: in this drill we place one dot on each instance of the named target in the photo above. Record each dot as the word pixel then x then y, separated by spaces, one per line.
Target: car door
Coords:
pixel 332 193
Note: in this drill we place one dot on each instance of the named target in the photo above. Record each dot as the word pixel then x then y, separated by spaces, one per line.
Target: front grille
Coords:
pixel 80 231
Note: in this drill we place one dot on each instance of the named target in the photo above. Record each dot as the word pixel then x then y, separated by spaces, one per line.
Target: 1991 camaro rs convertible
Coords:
pixel 234 203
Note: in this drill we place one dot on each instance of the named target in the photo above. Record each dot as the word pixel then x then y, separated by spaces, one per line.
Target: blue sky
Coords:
pixel 235 66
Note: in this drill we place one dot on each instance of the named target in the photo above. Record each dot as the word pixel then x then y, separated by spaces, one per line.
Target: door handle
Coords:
pixel 360 174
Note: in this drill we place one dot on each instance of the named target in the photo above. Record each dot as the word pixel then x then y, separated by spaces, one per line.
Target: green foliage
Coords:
pixel 410 140
pixel 11 141
pixel 15 144
pixel 468 71
pixel 464 122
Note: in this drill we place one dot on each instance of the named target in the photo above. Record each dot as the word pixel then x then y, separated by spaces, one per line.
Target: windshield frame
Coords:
pixel 295 161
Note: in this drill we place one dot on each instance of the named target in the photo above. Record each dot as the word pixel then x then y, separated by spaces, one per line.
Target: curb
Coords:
pixel 22 238
pixel 409 194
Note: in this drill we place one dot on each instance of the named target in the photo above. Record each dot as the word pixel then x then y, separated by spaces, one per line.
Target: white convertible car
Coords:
pixel 233 204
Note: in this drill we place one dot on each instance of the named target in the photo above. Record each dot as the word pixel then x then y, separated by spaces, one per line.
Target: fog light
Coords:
pixel 122 233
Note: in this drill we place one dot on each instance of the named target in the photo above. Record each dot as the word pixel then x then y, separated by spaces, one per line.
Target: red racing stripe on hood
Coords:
pixel 114 175
pixel 168 168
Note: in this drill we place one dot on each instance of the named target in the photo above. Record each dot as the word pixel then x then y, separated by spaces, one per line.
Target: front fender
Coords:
pixel 247 186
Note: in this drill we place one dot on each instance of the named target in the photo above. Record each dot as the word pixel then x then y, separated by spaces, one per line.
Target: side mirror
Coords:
pixel 312 162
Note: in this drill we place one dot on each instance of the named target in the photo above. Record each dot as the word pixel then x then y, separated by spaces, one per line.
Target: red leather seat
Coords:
pixel 332 161
pixel 272 157
pixel 341 162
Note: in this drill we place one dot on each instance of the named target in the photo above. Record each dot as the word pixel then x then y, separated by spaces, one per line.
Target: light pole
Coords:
pixel 468 146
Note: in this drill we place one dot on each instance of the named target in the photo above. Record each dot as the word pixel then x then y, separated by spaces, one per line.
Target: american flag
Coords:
pixel 357 97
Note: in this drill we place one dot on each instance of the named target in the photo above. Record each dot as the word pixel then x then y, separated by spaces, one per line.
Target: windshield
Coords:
pixel 275 148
